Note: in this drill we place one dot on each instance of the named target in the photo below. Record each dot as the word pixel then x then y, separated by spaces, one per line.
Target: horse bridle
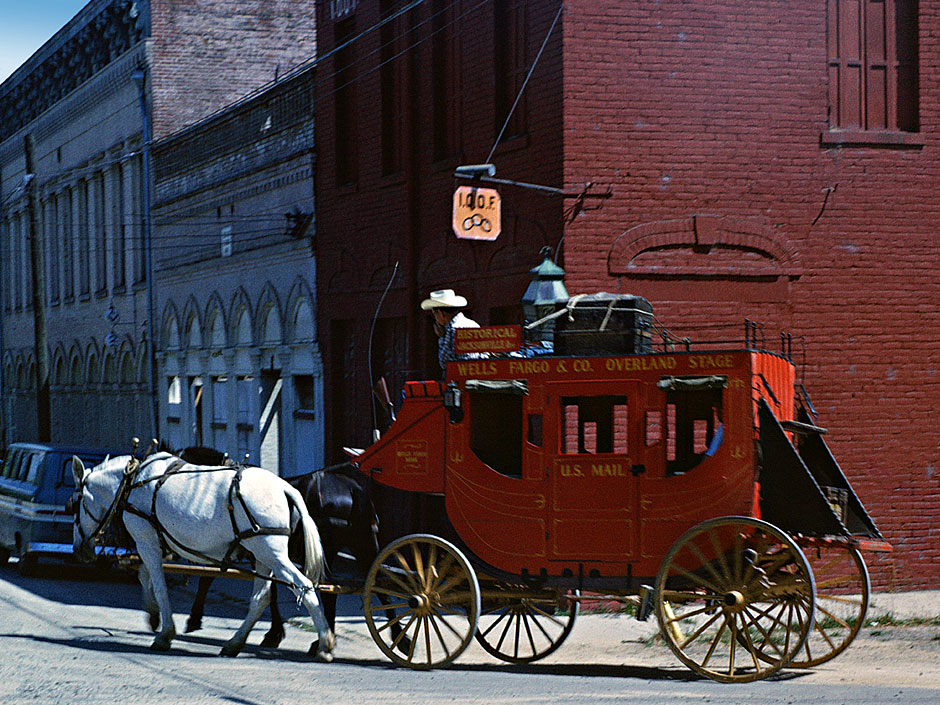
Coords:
pixel 77 502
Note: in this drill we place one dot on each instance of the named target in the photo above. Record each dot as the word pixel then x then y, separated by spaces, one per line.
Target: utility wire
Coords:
pixel 561 7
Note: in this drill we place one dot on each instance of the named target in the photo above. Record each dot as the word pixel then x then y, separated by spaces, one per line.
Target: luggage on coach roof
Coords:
pixel 605 324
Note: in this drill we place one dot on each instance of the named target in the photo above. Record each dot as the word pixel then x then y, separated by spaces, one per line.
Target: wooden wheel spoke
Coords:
pixel 694 549
pixel 409 571
pixel 834 617
pixel 749 643
pixel 420 573
pixel 378 589
pixel 823 634
pixel 696 578
pixel 737 553
pixel 765 634
pixel 443 620
pixel 389 606
pixel 854 601
pixel 496 622
pixel 536 610
pixel 427 636
pixel 686 596
pixel 404 630
pixel 714 644
pixel 544 631
pixel 698 632
pixel 443 571
pixel 719 551
pixel 440 636
pixel 502 636
pixel 527 623
pixel 734 646
pixel 397 620
pixel 692 613
pixel 388 573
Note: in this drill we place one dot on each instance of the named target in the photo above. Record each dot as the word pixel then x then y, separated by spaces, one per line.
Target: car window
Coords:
pixel 64 476
pixel 31 469
pixel 11 469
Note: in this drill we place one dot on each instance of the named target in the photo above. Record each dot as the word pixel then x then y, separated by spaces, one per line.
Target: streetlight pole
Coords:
pixel 140 79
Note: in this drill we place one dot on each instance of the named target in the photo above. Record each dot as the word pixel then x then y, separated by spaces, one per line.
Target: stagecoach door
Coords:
pixel 592 442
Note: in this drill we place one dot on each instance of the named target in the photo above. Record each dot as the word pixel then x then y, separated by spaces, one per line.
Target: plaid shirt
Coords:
pixel 445 344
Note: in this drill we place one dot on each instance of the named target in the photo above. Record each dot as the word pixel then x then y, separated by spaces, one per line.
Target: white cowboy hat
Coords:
pixel 443 298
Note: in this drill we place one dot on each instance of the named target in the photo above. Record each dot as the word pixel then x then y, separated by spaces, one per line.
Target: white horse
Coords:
pixel 207 515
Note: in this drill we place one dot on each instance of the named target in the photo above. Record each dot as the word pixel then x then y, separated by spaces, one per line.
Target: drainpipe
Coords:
pixel 140 79
pixel 40 332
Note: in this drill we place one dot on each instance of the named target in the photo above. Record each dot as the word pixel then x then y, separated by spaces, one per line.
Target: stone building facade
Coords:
pixel 238 359
pixel 772 161
pixel 78 98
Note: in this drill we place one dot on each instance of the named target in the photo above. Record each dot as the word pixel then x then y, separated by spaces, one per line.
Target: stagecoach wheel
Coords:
pixel 735 599
pixel 842 592
pixel 421 601
pixel 526 629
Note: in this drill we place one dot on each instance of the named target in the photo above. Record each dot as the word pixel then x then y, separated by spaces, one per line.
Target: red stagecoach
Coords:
pixel 691 482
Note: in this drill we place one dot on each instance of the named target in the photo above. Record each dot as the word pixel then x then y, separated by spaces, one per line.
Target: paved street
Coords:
pixel 66 637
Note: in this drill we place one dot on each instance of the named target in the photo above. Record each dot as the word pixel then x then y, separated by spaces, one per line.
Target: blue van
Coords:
pixel 35 483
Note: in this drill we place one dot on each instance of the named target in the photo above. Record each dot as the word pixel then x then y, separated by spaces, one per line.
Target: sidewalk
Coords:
pixel 917 604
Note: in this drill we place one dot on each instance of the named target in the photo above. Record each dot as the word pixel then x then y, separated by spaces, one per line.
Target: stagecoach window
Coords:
pixel 693 420
pixel 496 423
pixel 596 424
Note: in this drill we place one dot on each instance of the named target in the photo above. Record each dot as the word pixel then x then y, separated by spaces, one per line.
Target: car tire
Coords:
pixel 27 565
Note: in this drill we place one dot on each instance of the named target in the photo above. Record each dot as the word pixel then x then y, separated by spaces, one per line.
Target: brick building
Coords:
pixel 79 97
pixel 768 160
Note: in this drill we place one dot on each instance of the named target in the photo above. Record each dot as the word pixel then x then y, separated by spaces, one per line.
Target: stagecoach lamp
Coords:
pixel 544 295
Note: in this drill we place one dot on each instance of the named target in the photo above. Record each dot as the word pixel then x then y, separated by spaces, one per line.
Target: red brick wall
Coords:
pixel 363 230
pixel 716 109
pixel 206 54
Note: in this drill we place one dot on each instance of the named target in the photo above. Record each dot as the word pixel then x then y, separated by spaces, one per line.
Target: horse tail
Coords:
pixel 313 548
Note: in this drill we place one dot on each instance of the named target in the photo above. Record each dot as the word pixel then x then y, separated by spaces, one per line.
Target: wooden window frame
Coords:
pixel 873 73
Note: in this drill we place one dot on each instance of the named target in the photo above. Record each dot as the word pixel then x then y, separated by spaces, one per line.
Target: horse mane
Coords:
pixel 197 455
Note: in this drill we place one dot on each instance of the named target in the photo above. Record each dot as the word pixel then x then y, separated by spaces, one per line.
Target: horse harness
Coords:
pixel 130 482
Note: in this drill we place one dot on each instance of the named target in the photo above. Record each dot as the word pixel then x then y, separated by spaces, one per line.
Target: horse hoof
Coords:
pixel 325 656
pixel 271 641
pixel 230 651
pixel 192 625
pixel 160 645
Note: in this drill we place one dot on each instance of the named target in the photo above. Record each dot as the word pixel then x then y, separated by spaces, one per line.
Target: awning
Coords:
pixel 692 384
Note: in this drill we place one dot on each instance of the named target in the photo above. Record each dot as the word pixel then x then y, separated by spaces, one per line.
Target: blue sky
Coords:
pixel 25 25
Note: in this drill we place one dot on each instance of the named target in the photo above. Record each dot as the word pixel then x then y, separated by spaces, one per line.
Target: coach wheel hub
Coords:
pixel 733 599
pixel 419 602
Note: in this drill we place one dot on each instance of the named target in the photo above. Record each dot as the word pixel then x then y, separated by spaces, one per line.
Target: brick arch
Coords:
pixel 757 251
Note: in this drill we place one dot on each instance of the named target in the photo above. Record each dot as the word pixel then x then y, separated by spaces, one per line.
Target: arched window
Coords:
pixel 76 376
pixel 94 373
pixel 110 370
pixel 304 328
pixel 243 328
pixel 271 328
pixel 127 370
